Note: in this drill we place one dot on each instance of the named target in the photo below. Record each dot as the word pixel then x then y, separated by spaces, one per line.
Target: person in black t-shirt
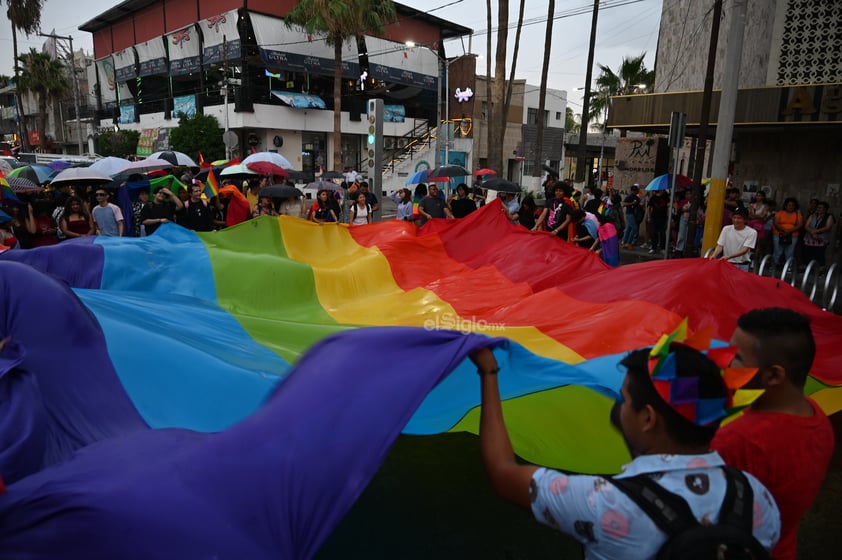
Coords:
pixel 160 210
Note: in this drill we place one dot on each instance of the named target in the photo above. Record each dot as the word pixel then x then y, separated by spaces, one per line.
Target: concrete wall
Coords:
pixel 779 160
pixel 681 62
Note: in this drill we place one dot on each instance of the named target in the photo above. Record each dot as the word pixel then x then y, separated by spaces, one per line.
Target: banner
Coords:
pixel 146 142
pixel 152 56
pixel 185 50
pixel 107 81
pixel 219 30
pixel 185 104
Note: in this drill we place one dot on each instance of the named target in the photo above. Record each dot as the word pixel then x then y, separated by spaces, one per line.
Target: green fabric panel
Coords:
pixel 547 428
pixel 273 297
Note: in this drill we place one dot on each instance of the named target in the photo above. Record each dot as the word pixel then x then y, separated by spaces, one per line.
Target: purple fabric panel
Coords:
pixel 64 349
pixel 23 420
pixel 63 261
pixel 273 486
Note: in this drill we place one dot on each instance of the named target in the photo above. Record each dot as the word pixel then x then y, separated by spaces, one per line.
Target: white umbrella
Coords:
pixel 5 166
pixel 176 158
pixel 109 165
pixel 238 169
pixel 143 166
pixel 268 157
pixel 78 175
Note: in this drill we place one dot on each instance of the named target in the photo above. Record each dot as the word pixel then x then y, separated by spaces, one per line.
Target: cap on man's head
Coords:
pixel 740 211
pixel 635 187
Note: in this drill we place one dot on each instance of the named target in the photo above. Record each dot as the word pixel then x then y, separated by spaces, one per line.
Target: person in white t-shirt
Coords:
pixel 736 241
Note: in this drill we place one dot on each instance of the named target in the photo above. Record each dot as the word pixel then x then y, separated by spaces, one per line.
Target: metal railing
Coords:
pixel 825 294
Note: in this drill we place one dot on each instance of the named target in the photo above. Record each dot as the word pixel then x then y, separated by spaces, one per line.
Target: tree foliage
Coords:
pixel 572 121
pixel 198 133
pixel 631 77
pixel 25 14
pixel 45 78
pixel 497 120
pixel 338 21
pixel 117 143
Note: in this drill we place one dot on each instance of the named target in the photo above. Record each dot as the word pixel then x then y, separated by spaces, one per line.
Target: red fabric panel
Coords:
pixel 149 23
pixel 715 294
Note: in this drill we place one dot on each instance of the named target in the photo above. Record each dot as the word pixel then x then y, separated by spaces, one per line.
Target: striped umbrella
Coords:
pixel 22 185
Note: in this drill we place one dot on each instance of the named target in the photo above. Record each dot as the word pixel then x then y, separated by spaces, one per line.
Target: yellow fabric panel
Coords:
pixel 355 286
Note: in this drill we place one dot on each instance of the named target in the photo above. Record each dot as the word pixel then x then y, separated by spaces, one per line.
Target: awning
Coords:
pixel 125 66
pixel 152 56
pixel 294 49
pixel 185 48
pixel 300 100
pixel 219 30
pixel 107 81
pixel 391 61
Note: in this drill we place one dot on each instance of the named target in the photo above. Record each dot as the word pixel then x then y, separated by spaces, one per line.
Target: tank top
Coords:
pixel 360 215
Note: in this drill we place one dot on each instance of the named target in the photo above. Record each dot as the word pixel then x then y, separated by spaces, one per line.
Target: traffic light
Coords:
pixel 374 146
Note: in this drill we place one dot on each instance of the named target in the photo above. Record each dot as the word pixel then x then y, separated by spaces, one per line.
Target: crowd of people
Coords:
pixel 603 222
pixel 783 233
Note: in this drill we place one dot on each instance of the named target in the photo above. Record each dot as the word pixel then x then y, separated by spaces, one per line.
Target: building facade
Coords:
pixel 271 84
pixel 788 122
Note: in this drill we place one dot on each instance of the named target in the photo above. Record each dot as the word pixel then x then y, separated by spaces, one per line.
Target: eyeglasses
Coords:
pixel 100 194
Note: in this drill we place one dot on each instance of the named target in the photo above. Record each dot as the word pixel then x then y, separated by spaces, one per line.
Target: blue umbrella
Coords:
pixel 4 217
pixel 662 183
pixel 420 176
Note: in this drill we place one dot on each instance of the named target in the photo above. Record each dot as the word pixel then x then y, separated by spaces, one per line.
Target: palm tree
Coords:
pixel 632 77
pixel 497 124
pixel 339 21
pixel 46 79
pixel 545 69
pixel 24 15
pixel 572 121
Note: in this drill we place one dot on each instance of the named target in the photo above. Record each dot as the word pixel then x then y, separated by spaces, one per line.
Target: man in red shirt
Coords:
pixel 784 439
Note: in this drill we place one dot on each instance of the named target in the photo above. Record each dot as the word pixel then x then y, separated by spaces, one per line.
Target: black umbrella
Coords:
pixel 300 176
pixel 550 170
pixel 501 185
pixel 449 171
pixel 280 191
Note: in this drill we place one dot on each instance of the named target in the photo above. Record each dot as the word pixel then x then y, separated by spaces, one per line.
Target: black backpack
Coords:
pixel 730 539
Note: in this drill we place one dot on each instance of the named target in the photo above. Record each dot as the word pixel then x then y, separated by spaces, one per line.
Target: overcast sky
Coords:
pixel 626 30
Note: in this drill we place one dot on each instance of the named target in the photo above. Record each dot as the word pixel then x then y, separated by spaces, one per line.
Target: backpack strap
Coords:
pixel 672 515
pixel 738 505
pixel 668 511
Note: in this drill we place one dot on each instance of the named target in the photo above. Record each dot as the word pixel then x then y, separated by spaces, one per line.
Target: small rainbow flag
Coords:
pixel 211 185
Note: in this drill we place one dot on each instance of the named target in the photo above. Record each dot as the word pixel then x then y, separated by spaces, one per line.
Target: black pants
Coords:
pixel 658 232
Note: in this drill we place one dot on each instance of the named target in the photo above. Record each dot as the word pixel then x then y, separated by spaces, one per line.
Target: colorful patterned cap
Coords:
pixel 682 393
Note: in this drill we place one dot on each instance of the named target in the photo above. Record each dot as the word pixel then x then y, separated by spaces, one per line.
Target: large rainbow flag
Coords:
pixel 162 390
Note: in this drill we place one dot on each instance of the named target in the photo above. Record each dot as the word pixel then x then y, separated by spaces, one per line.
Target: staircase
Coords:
pixel 417 146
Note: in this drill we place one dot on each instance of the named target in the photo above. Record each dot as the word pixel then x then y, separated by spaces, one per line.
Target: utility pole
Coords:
pixel 225 89
pixel 704 121
pixel 72 60
pixel 583 133
pixel 725 125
